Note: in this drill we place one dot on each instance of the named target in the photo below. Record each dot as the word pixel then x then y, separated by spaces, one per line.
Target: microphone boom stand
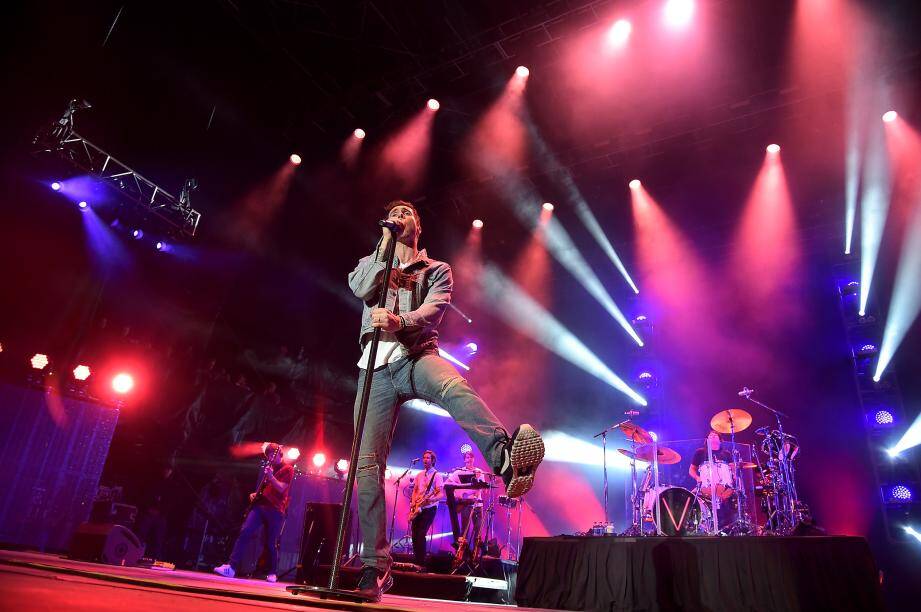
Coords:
pixel 333 591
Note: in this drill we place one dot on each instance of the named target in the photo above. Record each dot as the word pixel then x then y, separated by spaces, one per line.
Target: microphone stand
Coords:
pixel 604 461
pixel 333 591
pixel 396 498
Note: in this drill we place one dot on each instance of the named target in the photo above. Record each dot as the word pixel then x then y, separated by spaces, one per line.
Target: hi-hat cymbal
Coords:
pixel 667 456
pixel 635 433
pixel 725 421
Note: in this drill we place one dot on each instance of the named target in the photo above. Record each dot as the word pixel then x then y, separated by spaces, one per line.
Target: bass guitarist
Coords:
pixel 427 488
pixel 267 508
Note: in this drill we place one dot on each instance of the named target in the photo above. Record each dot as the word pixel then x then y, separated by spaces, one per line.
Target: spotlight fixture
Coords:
pixel 39 361
pixel 342 466
pixel 635 184
pixel 56 186
pixel 83 204
pixel 295 159
pixel 319 460
pixel 138 234
pixel 898 493
pixel 123 383
pixel 522 72
pixel 293 453
pixel 472 347
pixel 478 224
pixel 466 448
pixel 890 116
pixel 82 372
pixel 678 13
pixel 159 246
pixel 881 418
pixel 619 33
pixel 773 148
pixel 359 133
pixel 433 104
pixel 548 206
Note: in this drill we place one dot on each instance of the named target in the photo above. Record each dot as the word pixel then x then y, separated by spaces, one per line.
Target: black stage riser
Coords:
pixel 730 573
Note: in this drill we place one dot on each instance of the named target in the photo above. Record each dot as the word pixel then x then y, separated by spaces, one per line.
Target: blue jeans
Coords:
pixel 428 377
pixel 260 516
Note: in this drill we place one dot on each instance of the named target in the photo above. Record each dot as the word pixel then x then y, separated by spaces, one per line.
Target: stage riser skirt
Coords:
pixel 764 573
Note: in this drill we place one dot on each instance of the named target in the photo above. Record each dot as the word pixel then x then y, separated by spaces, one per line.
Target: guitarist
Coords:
pixel 267 509
pixel 427 488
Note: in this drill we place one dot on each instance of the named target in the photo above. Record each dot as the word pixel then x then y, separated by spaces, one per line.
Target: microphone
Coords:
pixel 416 460
pixel 746 392
pixel 392 225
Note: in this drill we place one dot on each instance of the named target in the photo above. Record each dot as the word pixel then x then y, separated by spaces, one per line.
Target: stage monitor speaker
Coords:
pixel 105 543
pixel 321 522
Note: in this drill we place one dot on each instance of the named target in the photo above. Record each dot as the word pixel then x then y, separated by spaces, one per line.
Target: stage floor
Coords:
pixel 42 581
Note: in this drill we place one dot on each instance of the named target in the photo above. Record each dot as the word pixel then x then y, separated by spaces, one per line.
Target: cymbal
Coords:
pixel 627 453
pixel 747 465
pixel 635 432
pixel 725 420
pixel 667 456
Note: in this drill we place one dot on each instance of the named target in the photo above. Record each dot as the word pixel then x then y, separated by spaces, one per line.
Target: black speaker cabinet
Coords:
pixel 321 522
pixel 105 543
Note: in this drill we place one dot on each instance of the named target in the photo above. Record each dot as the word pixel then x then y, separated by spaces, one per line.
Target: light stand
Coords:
pixel 332 591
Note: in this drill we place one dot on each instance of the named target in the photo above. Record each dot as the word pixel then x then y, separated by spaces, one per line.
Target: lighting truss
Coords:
pixel 62 140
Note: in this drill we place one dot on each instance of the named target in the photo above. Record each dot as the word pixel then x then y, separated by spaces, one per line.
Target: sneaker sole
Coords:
pixel 527 453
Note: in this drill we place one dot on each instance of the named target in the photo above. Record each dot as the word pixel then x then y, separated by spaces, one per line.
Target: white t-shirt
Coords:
pixel 388 351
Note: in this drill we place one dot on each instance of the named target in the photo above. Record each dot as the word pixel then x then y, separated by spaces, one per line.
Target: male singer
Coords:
pixel 408 366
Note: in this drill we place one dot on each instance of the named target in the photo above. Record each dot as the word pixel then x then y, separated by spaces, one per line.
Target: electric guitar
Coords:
pixel 260 488
pixel 415 506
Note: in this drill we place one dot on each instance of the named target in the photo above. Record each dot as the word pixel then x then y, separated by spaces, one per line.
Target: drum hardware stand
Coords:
pixel 332 591
pixel 783 516
pixel 741 526
pixel 714 498
pixel 655 475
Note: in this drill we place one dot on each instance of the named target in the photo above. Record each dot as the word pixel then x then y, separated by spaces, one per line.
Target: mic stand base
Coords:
pixel 328 593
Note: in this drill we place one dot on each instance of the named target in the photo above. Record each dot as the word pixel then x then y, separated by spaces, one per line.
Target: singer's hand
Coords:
pixel 386 320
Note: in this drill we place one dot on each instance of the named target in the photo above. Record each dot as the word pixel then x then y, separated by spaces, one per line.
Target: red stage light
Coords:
pixel 773 148
pixel 122 383
pixel 478 224
pixel 39 361
pixel 433 104
pixel 548 206
pixel 82 372
pixel 319 460
pixel 522 72
pixel 293 453
pixel 635 184
pixel 358 133
pixel 890 116
pixel 295 159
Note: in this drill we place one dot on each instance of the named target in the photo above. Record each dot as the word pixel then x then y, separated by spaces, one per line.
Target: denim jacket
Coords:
pixel 420 293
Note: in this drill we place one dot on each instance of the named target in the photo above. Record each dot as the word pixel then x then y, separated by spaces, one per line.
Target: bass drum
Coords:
pixel 679 512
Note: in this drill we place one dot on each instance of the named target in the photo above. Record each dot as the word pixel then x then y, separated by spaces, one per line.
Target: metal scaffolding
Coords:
pixel 62 140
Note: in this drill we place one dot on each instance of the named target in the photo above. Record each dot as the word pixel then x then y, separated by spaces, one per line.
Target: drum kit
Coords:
pixel 718 505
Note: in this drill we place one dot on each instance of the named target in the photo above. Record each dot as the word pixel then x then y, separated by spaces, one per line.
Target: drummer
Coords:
pixel 715 442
